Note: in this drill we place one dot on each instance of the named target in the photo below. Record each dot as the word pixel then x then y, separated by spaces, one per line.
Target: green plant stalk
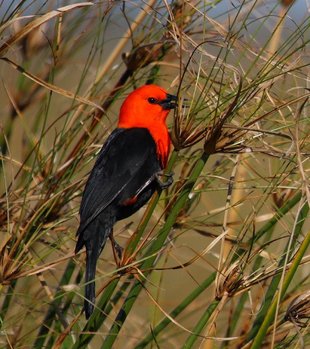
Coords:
pixel 273 285
pixel 162 325
pixel 97 318
pixel 54 306
pixel 156 279
pixel 61 324
pixel 201 324
pixel 9 125
pixel 118 295
pixel 35 164
pixel 237 312
pixel 71 295
pixel 5 138
pixel 153 250
pixel 176 311
pixel 280 213
pixel 261 334
pixel 272 289
pixel 240 306
pixel 150 209
pixel 264 229
pixel 7 300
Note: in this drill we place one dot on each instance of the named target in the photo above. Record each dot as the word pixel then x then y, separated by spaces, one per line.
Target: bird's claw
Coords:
pixel 167 183
pixel 117 249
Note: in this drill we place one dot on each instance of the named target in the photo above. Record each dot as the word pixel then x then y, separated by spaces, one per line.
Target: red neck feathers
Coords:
pixel 142 108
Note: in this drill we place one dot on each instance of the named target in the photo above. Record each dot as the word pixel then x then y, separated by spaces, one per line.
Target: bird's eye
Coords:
pixel 152 100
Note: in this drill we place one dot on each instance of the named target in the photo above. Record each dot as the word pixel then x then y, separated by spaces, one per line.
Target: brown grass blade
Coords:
pixel 49 86
pixel 37 22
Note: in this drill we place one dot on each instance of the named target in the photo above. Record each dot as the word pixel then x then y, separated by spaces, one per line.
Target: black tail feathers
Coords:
pixel 90 294
pixel 94 239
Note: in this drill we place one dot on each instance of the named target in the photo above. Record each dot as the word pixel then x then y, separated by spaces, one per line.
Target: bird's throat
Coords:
pixel 162 140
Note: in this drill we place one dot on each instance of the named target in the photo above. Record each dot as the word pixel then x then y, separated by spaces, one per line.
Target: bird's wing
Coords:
pixel 121 170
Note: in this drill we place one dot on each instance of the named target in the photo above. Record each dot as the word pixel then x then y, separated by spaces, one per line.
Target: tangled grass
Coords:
pixel 220 259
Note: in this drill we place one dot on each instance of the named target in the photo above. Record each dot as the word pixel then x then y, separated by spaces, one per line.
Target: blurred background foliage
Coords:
pixel 221 258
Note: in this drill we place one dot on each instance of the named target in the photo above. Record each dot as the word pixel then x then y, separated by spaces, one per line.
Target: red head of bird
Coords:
pixel 148 107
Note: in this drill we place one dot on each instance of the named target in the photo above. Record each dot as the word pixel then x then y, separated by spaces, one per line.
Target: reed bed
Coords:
pixel 221 258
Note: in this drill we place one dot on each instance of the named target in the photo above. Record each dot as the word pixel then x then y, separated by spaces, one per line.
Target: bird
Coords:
pixel 126 173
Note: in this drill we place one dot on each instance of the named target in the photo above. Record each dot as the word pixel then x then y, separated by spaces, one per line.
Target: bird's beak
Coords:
pixel 170 102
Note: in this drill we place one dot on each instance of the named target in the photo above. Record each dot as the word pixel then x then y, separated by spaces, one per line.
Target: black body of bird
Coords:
pixel 123 179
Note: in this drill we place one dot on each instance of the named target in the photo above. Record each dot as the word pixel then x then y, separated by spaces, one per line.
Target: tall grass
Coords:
pixel 221 258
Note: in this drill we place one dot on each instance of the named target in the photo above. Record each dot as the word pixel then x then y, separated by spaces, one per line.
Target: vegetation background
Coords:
pixel 221 258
